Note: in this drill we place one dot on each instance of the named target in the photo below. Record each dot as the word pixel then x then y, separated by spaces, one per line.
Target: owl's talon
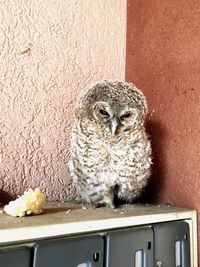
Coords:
pixel 103 204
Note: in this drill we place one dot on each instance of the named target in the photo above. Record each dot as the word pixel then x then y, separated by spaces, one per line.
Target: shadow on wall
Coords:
pixel 5 197
pixel 158 168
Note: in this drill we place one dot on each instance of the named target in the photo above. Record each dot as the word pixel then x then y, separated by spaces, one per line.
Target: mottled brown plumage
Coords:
pixel 110 150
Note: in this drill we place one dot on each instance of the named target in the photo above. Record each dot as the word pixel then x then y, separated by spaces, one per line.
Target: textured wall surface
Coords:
pixel 163 59
pixel 49 51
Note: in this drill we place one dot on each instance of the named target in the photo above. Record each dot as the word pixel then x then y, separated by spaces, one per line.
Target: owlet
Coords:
pixel 110 150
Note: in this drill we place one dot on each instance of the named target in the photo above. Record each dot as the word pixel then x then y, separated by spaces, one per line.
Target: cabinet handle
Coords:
pixel 140 258
pixel 84 265
pixel 180 253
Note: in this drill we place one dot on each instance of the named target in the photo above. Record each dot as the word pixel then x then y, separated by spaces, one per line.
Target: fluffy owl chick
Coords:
pixel 110 150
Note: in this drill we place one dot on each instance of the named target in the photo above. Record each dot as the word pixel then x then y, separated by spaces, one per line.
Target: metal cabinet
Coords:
pixel 172 244
pixel 77 252
pixel 130 248
pixel 160 245
pixel 18 257
pixel 154 245
pixel 129 236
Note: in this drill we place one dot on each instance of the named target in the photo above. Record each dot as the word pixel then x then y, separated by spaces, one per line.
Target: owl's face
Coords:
pixel 115 119
pixel 116 106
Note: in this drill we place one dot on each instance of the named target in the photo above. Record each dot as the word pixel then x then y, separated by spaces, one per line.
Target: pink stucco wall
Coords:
pixel 50 51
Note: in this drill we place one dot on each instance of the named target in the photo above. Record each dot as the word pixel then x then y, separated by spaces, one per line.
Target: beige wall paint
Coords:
pixel 50 51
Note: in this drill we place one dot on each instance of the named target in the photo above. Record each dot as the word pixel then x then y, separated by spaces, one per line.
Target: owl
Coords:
pixel 110 149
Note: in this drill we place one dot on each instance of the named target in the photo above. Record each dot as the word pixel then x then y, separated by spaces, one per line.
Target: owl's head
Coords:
pixel 118 106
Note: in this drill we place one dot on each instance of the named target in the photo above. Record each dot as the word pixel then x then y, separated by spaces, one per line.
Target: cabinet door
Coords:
pixel 130 248
pixel 172 244
pixel 78 252
pixel 15 257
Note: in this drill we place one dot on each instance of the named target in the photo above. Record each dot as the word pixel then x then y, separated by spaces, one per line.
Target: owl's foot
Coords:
pixel 103 204
pixel 101 197
pixel 106 202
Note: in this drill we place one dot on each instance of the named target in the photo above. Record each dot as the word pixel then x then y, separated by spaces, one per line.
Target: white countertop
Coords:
pixel 71 218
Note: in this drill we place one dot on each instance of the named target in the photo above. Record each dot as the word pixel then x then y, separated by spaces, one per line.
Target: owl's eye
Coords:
pixel 103 113
pixel 126 115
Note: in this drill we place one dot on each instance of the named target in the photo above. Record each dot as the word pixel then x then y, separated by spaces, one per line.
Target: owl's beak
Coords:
pixel 113 124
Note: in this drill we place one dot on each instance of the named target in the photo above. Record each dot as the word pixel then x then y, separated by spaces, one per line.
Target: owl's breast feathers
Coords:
pixel 127 154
